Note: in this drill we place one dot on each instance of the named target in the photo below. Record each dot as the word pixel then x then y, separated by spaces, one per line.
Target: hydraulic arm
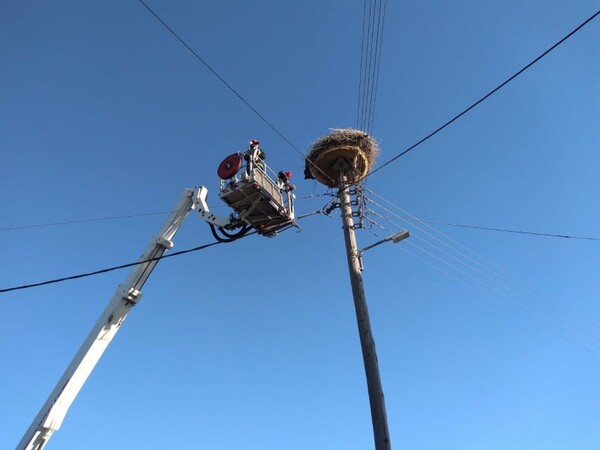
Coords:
pixel 126 297
pixel 258 203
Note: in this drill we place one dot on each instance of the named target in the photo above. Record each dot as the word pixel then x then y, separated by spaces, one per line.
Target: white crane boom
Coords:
pixel 127 295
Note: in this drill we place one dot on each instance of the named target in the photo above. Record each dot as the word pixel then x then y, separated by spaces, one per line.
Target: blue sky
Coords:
pixel 254 344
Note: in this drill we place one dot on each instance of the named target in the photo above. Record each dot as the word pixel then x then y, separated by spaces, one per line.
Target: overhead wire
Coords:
pixel 451 243
pixel 125 216
pixel 227 85
pixel 360 77
pixel 563 319
pixel 219 77
pixel 458 247
pixel 448 274
pixel 370 58
pixel 71 222
pixel 108 269
pixel 369 211
pixel 326 194
pixel 425 240
pixel 369 62
pixel 486 96
pixel 505 230
pixel 132 264
pixel 377 65
pixel 500 230
pixel 366 42
pixel 574 331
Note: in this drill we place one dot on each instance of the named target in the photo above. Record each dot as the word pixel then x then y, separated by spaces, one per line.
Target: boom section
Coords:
pixel 50 417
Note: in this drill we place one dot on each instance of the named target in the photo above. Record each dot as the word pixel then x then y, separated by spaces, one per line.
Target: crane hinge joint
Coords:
pixel 130 295
pixel 164 242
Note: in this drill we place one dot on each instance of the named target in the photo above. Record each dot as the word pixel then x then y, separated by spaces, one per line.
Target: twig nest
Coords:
pixel 344 151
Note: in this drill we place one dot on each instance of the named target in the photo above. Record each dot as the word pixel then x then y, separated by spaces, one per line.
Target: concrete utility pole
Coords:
pixel 376 399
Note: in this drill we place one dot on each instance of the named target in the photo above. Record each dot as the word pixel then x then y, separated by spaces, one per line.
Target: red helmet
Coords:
pixel 254 142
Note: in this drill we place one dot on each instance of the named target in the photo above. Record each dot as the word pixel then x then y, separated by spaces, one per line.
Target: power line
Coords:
pixel 370 59
pixel 458 225
pixel 124 266
pixel 505 277
pixel 486 96
pixel 70 222
pixel 377 66
pixel 573 327
pixel 94 219
pixel 476 227
pixel 362 59
pixel 220 78
pixel 228 86
pixel 368 63
pixel 504 230
pixel 109 269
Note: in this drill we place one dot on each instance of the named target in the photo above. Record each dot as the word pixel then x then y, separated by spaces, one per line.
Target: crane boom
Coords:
pixel 258 202
pixel 126 297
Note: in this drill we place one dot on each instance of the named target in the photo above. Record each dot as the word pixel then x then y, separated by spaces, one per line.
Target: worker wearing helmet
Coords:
pixel 255 154
pixel 283 179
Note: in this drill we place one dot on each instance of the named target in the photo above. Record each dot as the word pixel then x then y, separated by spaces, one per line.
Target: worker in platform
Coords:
pixel 283 179
pixel 255 154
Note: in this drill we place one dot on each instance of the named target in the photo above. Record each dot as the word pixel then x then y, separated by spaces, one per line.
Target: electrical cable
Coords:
pixel 227 85
pixel 124 266
pixel 560 315
pixel 95 219
pixel 370 59
pixel 368 62
pixel 377 65
pixel 127 216
pixel 572 328
pixel 558 322
pixel 220 78
pixel 486 96
pixel 504 230
pixel 448 274
pixel 463 250
pixel 70 222
pixel 109 269
pixel 475 227
pixel 360 76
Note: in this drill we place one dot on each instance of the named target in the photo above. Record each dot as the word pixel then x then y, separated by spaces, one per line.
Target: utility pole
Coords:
pixel 341 160
pixel 376 399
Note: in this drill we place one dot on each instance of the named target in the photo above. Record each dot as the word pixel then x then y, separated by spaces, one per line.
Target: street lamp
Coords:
pixel 394 238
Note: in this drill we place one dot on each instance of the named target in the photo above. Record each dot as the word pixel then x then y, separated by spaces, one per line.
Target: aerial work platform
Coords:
pixel 265 205
pixel 258 200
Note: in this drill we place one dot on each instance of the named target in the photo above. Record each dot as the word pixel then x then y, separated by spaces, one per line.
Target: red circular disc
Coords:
pixel 230 166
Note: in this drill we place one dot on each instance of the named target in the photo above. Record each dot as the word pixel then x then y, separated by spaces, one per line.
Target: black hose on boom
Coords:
pixel 228 237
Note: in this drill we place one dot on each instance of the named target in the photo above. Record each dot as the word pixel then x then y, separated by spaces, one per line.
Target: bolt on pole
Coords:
pixel 376 399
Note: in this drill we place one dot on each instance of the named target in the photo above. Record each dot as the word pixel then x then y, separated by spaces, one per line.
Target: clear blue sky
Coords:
pixel 254 345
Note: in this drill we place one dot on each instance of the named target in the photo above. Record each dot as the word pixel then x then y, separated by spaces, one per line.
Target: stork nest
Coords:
pixel 343 156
